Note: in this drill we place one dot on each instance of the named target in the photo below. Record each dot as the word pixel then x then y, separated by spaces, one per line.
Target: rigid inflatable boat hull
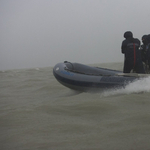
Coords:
pixel 84 78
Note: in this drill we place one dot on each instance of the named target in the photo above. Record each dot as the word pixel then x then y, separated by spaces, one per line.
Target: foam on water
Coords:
pixel 138 86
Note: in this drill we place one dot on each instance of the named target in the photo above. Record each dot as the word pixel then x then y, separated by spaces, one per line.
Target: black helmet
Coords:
pixel 144 37
pixel 148 38
pixel 128 34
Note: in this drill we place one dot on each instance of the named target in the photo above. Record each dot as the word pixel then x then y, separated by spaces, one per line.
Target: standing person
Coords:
pixel 143 48
pixel 147 53
pixel 130 49
pixel 144 52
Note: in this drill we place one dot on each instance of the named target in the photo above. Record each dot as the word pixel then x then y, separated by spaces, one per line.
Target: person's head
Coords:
pixel 144 39
pixel 148 38
pixel 128 34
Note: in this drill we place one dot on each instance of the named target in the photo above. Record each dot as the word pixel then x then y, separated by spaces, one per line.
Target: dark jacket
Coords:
pixel 147 55
pixel 144 48
pixel 130 47
pixel 143 52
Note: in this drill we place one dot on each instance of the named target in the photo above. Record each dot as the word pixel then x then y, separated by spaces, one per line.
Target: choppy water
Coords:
pixel 37 113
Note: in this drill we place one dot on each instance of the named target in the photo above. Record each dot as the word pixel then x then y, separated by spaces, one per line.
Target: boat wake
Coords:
pixel 138 86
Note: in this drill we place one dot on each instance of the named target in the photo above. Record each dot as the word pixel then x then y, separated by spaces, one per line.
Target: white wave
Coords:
pixel 138 86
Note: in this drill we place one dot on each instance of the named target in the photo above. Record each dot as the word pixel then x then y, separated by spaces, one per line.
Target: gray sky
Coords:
pixel 41 33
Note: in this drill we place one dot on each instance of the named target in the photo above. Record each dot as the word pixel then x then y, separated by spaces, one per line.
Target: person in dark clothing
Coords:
pixel 143 48
pixel 130 48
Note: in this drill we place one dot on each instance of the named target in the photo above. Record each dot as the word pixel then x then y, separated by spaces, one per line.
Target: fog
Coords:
pixel 41 33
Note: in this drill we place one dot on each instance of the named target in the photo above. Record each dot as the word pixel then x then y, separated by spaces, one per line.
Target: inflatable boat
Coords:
pixel 86 78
